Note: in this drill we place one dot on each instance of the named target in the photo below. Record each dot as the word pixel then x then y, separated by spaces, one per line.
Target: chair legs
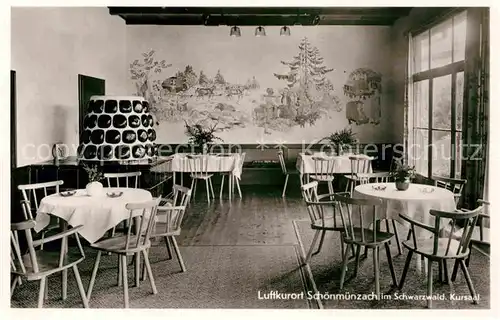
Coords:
pixel 41 294
pixel 345 259
pixel 309 253
pixel 398 243
pixel 94 273
pixel 391 266
pixel 469 281
pixel 405 270
pixel 178 253
pixel 284 187
pixel 238 186
pixel 323 232
pixel 376 270
pixel 208 190
pixel 169 251
pixel 221 186
pixel 80 286
pixel 123 261
pixel 150 273
pixel 429 284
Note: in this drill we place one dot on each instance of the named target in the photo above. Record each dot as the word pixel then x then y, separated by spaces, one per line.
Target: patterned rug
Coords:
pixel 216 277
pixel 326 269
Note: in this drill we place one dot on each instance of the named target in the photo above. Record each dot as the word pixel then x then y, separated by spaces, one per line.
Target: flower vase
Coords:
pixel 403 184
pixel 94 189
pixel 340 149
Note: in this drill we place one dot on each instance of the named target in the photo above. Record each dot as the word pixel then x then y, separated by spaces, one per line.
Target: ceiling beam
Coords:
pixel 214 16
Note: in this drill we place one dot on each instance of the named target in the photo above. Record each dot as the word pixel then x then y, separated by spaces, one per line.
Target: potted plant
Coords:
pixel 200 136
pixel 94 187
pixel 341 139
pixel 402 175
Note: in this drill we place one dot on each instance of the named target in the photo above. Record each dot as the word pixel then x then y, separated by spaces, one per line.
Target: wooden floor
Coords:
pixel 261 217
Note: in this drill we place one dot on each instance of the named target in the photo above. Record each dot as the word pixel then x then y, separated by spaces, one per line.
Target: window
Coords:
pixel 437 64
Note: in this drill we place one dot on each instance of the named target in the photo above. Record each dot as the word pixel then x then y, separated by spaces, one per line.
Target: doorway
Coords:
pixel 87 87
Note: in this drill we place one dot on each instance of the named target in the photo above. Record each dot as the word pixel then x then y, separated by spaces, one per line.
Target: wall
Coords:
pixel 245 108
pixel 49 48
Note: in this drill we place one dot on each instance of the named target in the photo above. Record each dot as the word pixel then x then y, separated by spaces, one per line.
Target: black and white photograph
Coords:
pixel 248 157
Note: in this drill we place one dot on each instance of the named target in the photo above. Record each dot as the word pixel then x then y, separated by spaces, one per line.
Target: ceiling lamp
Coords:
pixel 285 31
pixel 260 32
pixel 235 32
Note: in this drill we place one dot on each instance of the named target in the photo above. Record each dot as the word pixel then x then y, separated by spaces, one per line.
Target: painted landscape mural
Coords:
pixel 305 96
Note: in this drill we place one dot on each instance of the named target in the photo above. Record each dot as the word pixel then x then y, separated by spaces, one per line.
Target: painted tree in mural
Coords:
pixel 219 79
pixel 252 84
pixel 309 94
pixel 190 76
pixel 141 73
pixel 203 79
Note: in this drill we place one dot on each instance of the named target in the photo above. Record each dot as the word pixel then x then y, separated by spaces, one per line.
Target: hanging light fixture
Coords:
pixel 260 32
pixel 285 31
pixel 235 32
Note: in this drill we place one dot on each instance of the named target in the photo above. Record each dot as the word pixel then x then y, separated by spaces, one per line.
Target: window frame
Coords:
pixel 430 74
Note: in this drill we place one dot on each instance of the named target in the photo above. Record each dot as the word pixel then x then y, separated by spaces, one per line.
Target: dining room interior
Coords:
pixel 250 157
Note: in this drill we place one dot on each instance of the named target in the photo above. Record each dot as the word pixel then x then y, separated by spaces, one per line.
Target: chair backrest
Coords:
pixel 175 212
pixel 310 196
pixel 360 164
pixel 113 179
pixel 281 157
pixel 146 213
pixel 484 215
pixel 376 177
pixel 18 265
pixel 324 167
pixel 317 207
pixel 465 219
pixel 33 194
pixel 242 161
pixel 359 214
pixel 454 185
pixel 198 164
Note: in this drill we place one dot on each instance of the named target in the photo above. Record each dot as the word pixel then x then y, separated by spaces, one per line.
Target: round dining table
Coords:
pixel 415 202
pixel 96 214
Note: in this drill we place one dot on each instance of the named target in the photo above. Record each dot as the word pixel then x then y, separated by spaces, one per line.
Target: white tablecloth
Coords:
pixel 413 202
pixel 305 163
pixel 96 214
pixel 179 162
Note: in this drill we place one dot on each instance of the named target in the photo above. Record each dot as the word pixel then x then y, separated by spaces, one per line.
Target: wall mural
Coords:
pixel 306 95
pixel 363 88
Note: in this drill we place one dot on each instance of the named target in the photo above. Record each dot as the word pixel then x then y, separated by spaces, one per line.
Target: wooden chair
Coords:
pixel 33 194
pixel 132 243
pixel 39 264
pixel 359 164
pixel 454 185
pixel 128 179
pixel 441 248
pixel 381 177
pixel 169 219
pixel 113 181
pixel 480 239
pixel 198 167
pixel 285 171
pixel 317 208
pixel 324 169
pixel 235 180
pixel 357 233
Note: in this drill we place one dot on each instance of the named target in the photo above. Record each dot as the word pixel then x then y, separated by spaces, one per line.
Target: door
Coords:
pixel 87 87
